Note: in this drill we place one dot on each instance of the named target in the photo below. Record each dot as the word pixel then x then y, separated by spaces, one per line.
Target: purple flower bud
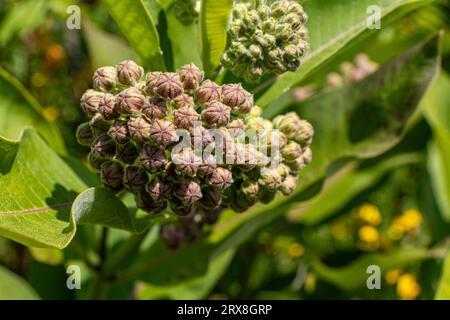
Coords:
pixel 105 78
pixel 99 125
pixel 208 91
pixel 163 132
pixel 185 117
pixel 221 178
pixel 201 137
pixel 190 76
pixel 111 175
pixel 159 189
pixel 211 199
pixel 179 208
pixel 130 100
pixel 127 153
pixel 129 72
pixel 307 155
pixel 96 161
pixel 90 101
pixel 139 129
pixel 189 192
pixel 145 202
pixel 186 162
pixel 107 107
pixel 155 108
pixel 103 147
pixel 84 134
pixel 152 158
pixel 247 157
pixel 236 128
pixel 119 132
pixel 247 105
pixel 207 166
pixel 305 133
pixel 216 114
pixel 152 79
pixel 233 95
pixel 183 100
pixel 135 178
pixel 168 85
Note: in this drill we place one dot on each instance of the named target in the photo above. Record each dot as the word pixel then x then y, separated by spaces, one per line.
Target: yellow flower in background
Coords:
pixel 368 234
pixel 407 287
pixel 392 276
pixel 369 214
pixel 51 113
pixel 296 250
pixel 411 219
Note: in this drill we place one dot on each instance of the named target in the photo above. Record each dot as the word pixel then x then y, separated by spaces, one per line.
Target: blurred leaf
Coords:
pixel 437 112
pixel 344 186
pixel 332 25
pixel 214 17
pixel 106 49
pixel 443 291
pixel 18 109
pixel 36 198
pixel 354 275
pixel 137 25
pixel 52 257
pixel 21 18
pixel 185 40
pixel 12 287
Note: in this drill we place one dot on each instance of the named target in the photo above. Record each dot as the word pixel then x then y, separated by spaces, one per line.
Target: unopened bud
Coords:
pixel 185 117
pixel 127 153
pixel 130 100
pixel 90 101
pixel 183 100
pixel 220 178
pixel 129 73
pixel 270 178
pixel 159 189
pixel 291 151
pixel 150 83
pixel 153 158
pixel 103 147
pixel 163 132
pixel 155 108
pixel 84 134
pixel 208 91
pixel 289 184
pixel 107 107
pixel 134 178
pixel 105 78
pixel 145 202
pixel 216 114
pixel 168 85
pixel 189 192
pixel 305 133
pixel 190 76
pixel 233 95
pixel 119 132
pixel 111 175
pixel 139 129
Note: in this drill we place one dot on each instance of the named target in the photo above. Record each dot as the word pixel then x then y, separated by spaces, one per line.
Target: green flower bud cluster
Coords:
pixel 137 125
pixel 185 11
pixel 265 38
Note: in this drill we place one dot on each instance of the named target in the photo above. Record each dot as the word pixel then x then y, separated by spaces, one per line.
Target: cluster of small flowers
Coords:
pixel 137 126
pixel 185 11
pixel 265 38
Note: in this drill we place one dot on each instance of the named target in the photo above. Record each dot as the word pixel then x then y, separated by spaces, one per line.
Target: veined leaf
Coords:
pixel 138 27
pixel 43 198
pixel 13 287
pixel 354 275
pixel 214 17
pixel 332 25
pixel 18 109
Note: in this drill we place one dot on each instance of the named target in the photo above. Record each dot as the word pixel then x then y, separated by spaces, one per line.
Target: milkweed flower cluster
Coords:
pixel 265 38
pixel 179 141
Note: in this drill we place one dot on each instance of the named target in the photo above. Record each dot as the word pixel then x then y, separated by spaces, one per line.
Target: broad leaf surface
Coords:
pixel 13 287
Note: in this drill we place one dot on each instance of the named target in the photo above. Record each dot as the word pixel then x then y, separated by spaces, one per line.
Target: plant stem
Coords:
pixel 96 291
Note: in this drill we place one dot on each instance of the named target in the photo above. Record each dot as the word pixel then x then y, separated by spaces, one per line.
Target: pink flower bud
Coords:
pixel 155 108
pixel 129 73
pixel 90 101
pixel 190 76
pixel 152 158
pixel 130 100
pixel 139 129
pixel 221 178
pixel 119 132
pixel 105 78
pixel 168 85
pixel 208 91
pixel 163 132
pixel 185 117
pixel 216 114
pixel 107 107
pixel 233 95
pixel 189 192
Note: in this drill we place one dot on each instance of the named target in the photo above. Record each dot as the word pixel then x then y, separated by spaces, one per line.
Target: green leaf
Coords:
pixel 344 186
pixel 443 291
pixel 185 41
pixel 214 17
pixel 37 192
pixel 137 25
pixel 18 109
pixel 102 207
pixel 13 287
pixel 354 275
pixel 332 26
pixel 106 49
pixel 436 111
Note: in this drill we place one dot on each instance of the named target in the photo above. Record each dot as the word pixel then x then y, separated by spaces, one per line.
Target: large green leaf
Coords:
pixel 332 26
pixel 13 287
pixel 18 109
pixel 137 25
pixel 437 112
pixel 185 40
pixel 106 49
pixel 354 275
pixel 42 198
pixel 214 18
